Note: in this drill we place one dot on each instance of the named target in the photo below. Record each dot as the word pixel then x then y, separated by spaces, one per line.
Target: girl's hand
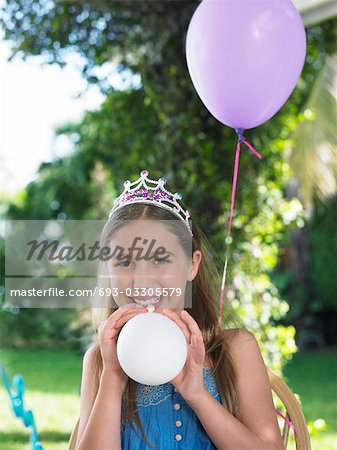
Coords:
pixel 189 382
pixel 107 335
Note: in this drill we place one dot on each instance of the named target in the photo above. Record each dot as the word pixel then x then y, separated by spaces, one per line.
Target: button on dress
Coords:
pixel 168 420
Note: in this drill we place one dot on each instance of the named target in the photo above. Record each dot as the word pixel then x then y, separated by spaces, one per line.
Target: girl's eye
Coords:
pixel 162 260
pixel 124 262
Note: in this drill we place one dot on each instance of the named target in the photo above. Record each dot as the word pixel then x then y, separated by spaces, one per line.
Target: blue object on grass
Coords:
pixel 17 404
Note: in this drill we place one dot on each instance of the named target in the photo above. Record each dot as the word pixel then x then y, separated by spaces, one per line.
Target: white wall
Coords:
pixel 315 11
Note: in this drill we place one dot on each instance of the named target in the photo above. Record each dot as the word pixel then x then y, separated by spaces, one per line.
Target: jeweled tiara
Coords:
pixel 145 190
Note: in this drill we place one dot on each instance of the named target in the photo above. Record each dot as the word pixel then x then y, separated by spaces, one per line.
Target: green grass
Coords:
pixel 313 376
pixel 52 379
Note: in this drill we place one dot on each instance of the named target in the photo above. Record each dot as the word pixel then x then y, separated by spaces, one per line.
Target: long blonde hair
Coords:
pixel 205 294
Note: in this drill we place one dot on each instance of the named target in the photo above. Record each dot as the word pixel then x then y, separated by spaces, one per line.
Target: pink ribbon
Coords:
pixel 236 169
pixel 287 420
pixel 235 177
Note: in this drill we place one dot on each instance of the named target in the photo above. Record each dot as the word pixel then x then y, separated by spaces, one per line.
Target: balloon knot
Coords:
pixel 239 132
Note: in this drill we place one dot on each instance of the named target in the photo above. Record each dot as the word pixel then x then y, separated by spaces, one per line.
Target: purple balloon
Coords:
pixel 245 57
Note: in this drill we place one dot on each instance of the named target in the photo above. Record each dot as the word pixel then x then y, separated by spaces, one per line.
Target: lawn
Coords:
pixel 52 379
pixel 313 376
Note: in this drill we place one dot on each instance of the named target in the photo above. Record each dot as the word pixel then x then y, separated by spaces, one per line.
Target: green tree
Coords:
pixel 163 126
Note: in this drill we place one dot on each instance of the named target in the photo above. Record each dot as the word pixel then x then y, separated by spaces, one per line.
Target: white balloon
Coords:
pixel 151 348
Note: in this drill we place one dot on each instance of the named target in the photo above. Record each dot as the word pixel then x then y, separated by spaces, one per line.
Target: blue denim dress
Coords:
pixel 168 420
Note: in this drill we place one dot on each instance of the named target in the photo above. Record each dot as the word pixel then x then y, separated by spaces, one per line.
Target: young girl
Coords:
pixel 222 397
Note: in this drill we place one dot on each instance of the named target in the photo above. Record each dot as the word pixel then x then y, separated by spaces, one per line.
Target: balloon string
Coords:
pixel 287 420
pixel 228 239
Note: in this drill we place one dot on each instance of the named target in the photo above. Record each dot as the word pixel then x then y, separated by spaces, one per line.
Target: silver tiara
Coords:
pixel 151 192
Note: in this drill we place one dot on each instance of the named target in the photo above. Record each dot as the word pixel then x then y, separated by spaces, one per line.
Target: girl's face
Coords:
pixel 153 266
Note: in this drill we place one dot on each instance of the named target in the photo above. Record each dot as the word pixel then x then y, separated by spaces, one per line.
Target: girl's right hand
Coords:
pixel 107 335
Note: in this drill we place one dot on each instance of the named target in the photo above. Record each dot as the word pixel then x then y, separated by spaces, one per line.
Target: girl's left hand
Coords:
pixel 189 382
